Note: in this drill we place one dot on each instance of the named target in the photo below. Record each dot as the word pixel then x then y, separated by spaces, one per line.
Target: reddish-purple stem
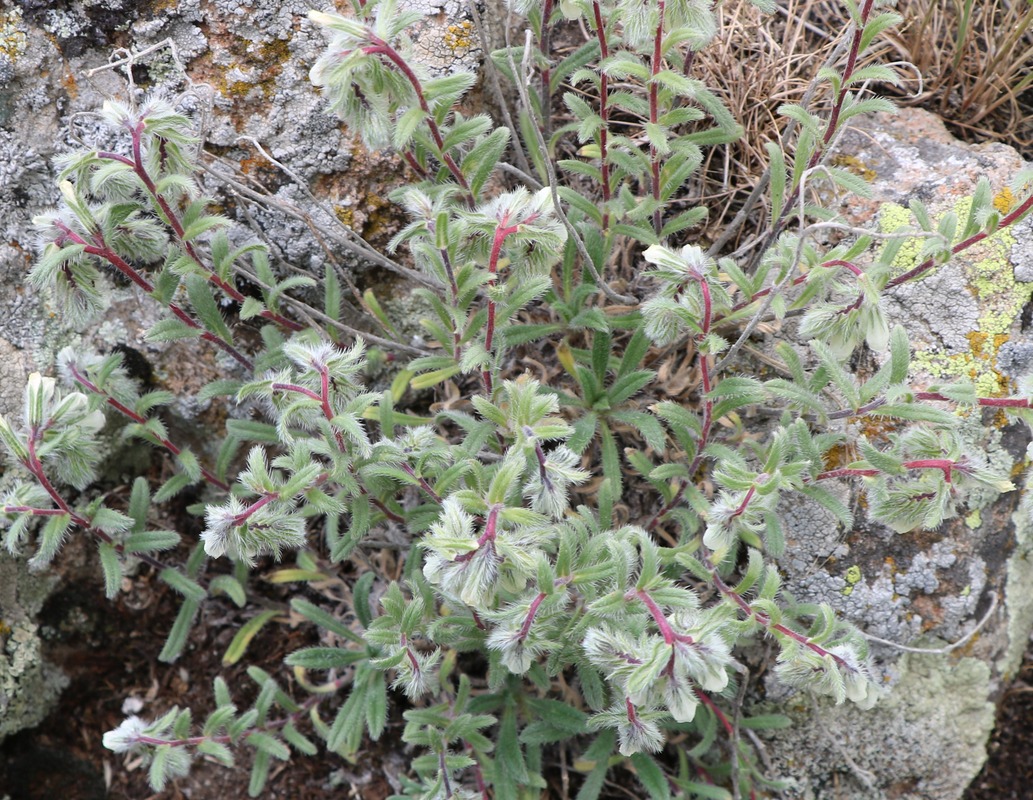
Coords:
pixel 532 612
pixel 35 466
pixel 422 481
pixel 83 381
pixel 174 222
pixel 485 538
pixel 945 465
pixel 708 404
pixel 604 113
pixel 501 232
pixel 765 620
pixel 654 116
pixel 380 47
pixel 247 513
pixel 722 718
pixel 101 250
pixel 929 263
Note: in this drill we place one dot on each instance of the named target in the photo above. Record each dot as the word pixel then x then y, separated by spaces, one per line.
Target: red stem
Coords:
pixel 765 620
pixel 501 232
pixel 722 718
pixel 532 612
pixel 101 250
pixel 36 512
pixel 658 616
pixel 422 481
pixel 35 466
pixel 83 381
pixel 263 501
pixel 654 116
pixel 945 465
pixel 174 222
pixel 929 263
pixel 604 113
pixel 379 46
pixel 485 538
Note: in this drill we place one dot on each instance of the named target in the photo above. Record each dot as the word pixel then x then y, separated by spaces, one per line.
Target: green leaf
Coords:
pixel 482 159
pixel 268 743
pixel 916 412
pixel 259 774
pixel 324 619
pixel 376 705
pixel 252 431
pixel 151 541
pixel 172 487
pixel 597 754
pixel 778 180
pixel 627 386
pixel 112 567
pixel 177 637
pixel 298 740
pixel 206 307
pixel 360 596
pixel 229 586
pixel 406 126
pixel 168 330
pixel 509 756
pixel 243 637
pixel 325 658
pixel 766 722
pixel 651 776
pixel 251 308
pixel 190 589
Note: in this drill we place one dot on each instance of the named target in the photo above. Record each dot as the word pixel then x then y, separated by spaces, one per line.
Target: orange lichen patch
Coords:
pixel 983 363
pixel 259 167
pixel 976 341
pixel 854 165
pixel 929 610
pixel 242 71
pixel 1004 200
pixel 459 38
pixel 13 38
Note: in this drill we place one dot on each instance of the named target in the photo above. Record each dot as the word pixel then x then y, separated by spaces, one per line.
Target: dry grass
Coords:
pixel 975 58
pixel 976 61
pixel 758 63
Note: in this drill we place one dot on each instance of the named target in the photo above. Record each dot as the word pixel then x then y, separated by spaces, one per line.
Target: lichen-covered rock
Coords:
pixel 926 738
pixel 29 686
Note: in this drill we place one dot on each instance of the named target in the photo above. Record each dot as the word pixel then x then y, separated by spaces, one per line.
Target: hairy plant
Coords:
pixel 532 611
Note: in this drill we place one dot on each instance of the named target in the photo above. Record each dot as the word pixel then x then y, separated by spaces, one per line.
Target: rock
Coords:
pixel 29 687
pixel 926 738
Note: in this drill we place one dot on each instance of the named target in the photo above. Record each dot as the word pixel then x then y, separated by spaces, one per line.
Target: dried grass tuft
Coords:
pixel 976 60
pixel 758 63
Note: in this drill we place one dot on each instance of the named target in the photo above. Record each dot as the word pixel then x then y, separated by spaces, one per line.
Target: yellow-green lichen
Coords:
pixel 852 577
pixel 990 279
pixel 13 38
pixel 974 519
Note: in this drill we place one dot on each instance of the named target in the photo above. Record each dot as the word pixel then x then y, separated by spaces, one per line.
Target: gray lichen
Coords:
pixel 924 739
pixel 29 686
